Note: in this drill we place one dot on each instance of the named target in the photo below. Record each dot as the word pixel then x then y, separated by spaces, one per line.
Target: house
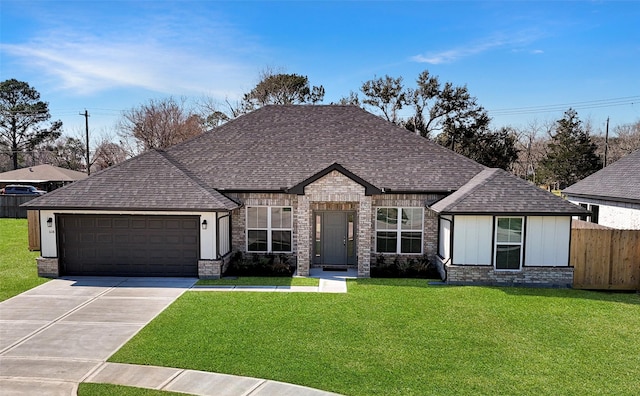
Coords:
pixel 42 177
pixel 45 177
pixel 612 194
pixel 327 186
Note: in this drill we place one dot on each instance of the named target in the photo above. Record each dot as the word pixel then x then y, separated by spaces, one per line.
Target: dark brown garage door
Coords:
pixel 129 245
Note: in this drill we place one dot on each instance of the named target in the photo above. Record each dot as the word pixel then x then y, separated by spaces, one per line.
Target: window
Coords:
pixel 584 217
pixel 269 229
pixel 509 243
pixel 595 213
pixel 399 230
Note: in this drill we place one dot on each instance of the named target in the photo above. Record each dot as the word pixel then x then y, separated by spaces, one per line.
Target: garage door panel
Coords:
pixel 120 223
pixel 104 223
pixel 129 245
pixel 139 224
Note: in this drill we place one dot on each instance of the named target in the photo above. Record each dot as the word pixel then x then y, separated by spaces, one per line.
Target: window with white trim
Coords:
pixel 399 230
pixel 509 236
pixel 269 228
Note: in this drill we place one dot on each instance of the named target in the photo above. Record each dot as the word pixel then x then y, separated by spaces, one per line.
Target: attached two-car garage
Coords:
pixel 128 245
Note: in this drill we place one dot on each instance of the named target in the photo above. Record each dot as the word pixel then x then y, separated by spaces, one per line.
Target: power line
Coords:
pixel 589 104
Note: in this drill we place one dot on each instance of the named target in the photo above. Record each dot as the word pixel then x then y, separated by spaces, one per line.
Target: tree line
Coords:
pixel 556 153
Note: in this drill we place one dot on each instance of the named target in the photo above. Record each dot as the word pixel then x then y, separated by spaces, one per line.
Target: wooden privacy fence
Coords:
pixel 10 206
pixel 605 259
pixel 33 220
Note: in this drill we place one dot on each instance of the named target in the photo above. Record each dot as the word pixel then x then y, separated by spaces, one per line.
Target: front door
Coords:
pixel 335 244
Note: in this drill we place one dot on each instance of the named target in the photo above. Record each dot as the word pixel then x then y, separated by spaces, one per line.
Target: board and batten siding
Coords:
pixel 547 241
pixel 472 240
pixel 444 241
pixel 208 251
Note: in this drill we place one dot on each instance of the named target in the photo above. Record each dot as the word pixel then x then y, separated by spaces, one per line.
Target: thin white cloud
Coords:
pixel 89 64
pixel 455 54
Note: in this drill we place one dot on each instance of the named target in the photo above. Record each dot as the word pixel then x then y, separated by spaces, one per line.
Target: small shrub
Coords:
pixel 259 265
pixel 402 267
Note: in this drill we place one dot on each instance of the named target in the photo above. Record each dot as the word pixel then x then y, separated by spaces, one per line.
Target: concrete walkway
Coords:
pixel 61 333
pixel 330 282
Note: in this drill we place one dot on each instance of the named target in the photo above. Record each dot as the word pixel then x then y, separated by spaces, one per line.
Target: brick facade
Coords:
pixel 325 193
pixel 48 267
pixel 335 192
pixel 430 226
pixel 527 276
pixel 213 269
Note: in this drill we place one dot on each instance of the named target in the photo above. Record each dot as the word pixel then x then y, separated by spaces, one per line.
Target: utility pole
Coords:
pixel 606 144
pixel 86 123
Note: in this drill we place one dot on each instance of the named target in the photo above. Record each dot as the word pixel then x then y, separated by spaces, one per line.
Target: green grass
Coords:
pixel 402 337
pixel 18 270
pixel 88 389
pixel 261 281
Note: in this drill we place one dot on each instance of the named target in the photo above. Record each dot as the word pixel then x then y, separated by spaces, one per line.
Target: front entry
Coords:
pixel 334 239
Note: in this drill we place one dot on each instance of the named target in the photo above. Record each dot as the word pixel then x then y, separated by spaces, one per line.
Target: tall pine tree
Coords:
pixel 571 154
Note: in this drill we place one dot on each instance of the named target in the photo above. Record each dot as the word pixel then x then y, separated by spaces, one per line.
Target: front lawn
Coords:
pixel 402 337
pixel 18 270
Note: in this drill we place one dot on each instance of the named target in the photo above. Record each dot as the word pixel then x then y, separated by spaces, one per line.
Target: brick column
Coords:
pixel 48 267
pixel 209 269
pixel 364 237
pixel 303 220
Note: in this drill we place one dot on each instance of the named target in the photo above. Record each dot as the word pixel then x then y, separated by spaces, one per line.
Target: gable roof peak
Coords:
pixel 370 189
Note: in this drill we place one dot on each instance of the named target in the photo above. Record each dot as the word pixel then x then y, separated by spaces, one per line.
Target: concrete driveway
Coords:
pixel 61 333
pixel 57 334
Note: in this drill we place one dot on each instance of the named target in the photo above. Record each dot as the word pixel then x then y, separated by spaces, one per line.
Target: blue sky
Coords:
pixel 524 61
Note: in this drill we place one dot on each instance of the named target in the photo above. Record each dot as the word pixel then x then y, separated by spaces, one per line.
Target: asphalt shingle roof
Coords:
pixel 277 147
pixel 41 174
pixel 281 148
pixel 495 191
pixel 150 181
pixel 619 181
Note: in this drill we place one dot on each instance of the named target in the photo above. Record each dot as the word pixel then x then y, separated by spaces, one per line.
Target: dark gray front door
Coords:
pixel 335 238
pixel 335 244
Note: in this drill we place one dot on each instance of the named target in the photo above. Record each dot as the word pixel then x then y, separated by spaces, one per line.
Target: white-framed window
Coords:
pixel 269 228
pixel 399 230
pixel 509 238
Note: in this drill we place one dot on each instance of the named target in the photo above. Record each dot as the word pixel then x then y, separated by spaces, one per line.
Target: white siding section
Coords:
pixel 223 234
pixel 547 241
pixel 48 245
pixel 208 237
pixel 621 215
pixel 444 238
pixel 472 239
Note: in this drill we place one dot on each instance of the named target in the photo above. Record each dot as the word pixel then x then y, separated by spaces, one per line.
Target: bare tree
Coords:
pixel 532 145
pixel 108 154
pixel 215 113
pixel 623 139
pixel 159 124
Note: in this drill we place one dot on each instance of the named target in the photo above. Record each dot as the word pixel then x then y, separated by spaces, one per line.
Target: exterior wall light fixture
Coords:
pixel 50 222
pixel 204 224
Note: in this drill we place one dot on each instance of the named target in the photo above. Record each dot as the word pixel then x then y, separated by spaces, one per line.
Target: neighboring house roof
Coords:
pixel 619 181
pixel 150 181
pixel 41 174
pixel 495 191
